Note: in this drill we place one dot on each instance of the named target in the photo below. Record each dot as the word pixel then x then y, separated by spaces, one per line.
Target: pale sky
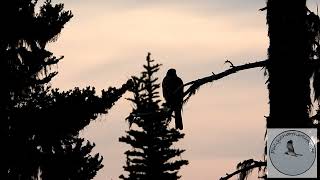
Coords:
pixel 107 40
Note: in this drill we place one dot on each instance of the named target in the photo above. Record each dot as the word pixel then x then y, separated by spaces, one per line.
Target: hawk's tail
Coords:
pixel 178 119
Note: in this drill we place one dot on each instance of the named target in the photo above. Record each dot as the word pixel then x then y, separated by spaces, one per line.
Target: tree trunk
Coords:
pixel 288 83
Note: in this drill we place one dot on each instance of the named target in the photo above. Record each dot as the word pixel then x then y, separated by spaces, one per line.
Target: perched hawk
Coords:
pixel 291 149
pixel 172 88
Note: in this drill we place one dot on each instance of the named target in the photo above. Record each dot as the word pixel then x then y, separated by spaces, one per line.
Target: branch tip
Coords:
pixel 229 62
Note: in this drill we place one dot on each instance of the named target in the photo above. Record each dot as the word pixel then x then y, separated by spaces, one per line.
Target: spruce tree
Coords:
pixel 43 123
pixel 151 138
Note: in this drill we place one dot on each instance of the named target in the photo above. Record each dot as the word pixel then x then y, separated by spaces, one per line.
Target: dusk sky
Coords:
pixel 106 42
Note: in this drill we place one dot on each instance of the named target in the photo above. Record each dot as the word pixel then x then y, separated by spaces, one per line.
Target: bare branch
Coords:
pixel 233 69
pixel 257 164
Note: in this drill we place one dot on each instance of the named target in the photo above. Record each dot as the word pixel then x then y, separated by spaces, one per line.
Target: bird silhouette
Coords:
pixel 291 149
pixel 172 88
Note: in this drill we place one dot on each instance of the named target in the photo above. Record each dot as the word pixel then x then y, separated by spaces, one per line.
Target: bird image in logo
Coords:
pixel 291 149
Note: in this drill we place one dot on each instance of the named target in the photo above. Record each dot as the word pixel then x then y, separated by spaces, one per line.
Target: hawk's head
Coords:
pixel 171 72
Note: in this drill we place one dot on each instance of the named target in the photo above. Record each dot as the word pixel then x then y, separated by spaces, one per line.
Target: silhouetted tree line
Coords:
pixel 43 122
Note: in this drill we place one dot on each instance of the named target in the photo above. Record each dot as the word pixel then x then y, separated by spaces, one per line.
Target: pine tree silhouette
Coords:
pixel 43 123
pixel 150 137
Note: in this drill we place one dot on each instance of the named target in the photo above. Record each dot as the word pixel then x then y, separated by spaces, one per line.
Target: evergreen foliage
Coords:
pixel 44 123
pixel 151 138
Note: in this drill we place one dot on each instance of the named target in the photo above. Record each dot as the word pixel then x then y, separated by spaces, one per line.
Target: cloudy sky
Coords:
pixel 107 40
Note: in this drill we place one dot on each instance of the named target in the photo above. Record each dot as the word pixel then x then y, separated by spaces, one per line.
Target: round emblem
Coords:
pixel 292 152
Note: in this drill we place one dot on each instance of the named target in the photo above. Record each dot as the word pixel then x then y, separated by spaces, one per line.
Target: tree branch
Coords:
pixel 257 164
pixel 233 69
